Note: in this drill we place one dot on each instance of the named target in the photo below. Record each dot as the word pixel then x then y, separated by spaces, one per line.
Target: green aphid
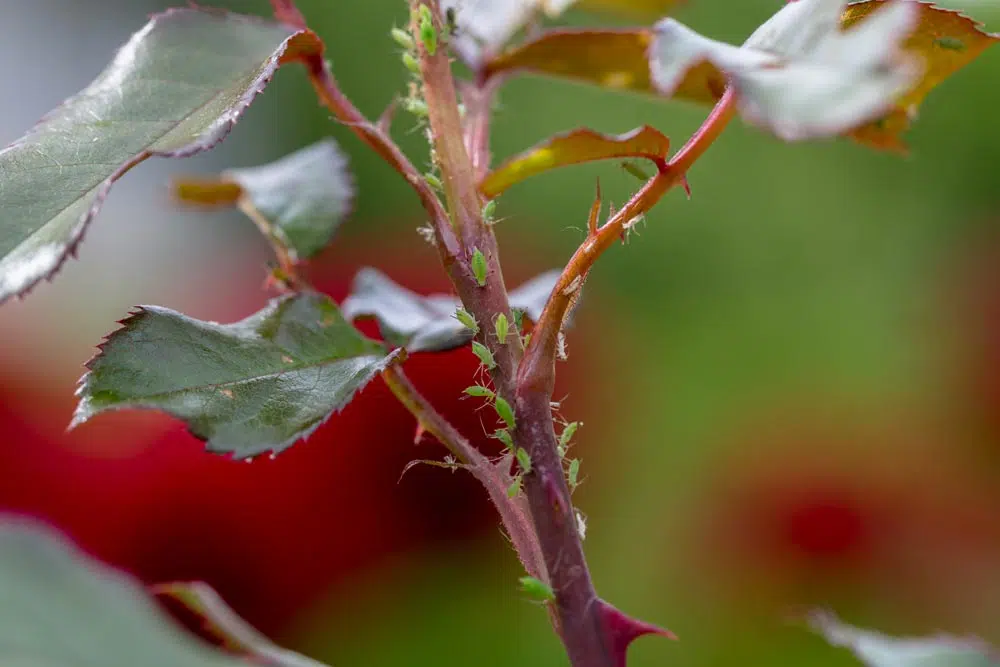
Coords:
pixel 416 107
pixel 504 410
pixel 411 63
pixel 514 488
pixel 484 354
pixel 502 327
pixel 635 170
pixel 489 208
pixel 567 435
pixel 950 43
pixel 479 391
pixel 434 181
pixel 537 589
pixel 467 320
pixel 479 267
pixel 523 460
pixel 504 436
pixel 428 35
pixel 402 38
pixel 573 476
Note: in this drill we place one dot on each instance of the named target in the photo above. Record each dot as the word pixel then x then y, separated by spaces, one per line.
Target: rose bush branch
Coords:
pixel 491 475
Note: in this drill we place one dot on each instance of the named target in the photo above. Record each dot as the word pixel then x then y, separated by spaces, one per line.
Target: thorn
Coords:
pixel 595 211
pixel 622 630
pixel 686 186
pixel 384 122
pixel 419 434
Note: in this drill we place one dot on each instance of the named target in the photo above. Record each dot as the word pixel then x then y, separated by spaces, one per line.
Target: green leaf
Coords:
pixel 59 608
pixel 877 650
pixel 428 323
pixel 259 384
pixel 300 200
pixel 175 89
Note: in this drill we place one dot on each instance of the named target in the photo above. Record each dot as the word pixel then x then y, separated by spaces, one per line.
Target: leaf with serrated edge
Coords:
pixel 617 59
pixel 575 147
pixel 224 623
pixel 428 323
pixel 256 385
pixel 303 196
pixel 60 608
pixel 877 650
pixel 174 89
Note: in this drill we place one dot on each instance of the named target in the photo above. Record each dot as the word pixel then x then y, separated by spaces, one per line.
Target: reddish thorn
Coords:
pixel 686 185
pixel 419 433
pixel 622 630
pixel 385 120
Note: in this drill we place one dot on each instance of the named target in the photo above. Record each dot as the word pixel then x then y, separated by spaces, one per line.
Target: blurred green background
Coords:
pixel 790 383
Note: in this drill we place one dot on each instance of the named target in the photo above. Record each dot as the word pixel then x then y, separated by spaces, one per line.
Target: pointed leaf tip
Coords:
pixel 575 147
pixel 245 388
pixel 621 630
pixel 299 200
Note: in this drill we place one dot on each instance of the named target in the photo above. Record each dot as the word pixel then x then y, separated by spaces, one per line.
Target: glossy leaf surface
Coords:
pixel 259 384
pixel 176 88
pixel 300 199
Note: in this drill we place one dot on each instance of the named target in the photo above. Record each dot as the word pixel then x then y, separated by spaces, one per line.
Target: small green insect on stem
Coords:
pixel 428 35
pixel 514 488
pixel 479 391
pixel 503 435
pixel 501 326
pixel 484 355
pixel 537 589
pixel 573 476
pixel 467 320
pixel 479 267
pixel 505 412
pixel 567 436
pixel 635 170
pixel 523 460
pixel 410 62
pixel 403 38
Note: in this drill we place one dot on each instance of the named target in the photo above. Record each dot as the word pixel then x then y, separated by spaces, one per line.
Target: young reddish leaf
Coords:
pixel 303 197
pixel 877 650
pixel 176 88
pixel 615 59
pixel 256 385
pixel 60 608
pixel 575 147
pixel 225 624
pixel 428 323
pixel 946 40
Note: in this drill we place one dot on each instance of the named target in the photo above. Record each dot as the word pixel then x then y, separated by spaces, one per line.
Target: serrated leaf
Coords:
pixel 176 88
pixel 256 385
pixel 877 650
pixel 303 197
pixel 60 608
pixel 225 624
pixel 946 40
pixel 617 59
pixel 575 147
pixel 427 323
